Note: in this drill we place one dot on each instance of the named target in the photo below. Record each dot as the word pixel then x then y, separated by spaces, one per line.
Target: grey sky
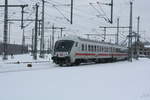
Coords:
pixel 85 20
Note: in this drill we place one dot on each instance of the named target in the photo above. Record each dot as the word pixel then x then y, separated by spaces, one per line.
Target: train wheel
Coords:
pixel 61 65
pixel 97 61
pixel 77 62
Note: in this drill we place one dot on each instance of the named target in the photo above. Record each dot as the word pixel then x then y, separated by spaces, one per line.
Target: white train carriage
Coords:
pixel 75 50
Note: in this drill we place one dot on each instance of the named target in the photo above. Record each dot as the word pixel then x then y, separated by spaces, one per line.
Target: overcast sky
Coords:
pixel 85 16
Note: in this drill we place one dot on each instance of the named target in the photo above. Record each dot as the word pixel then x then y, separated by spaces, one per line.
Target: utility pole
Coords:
pixel 53 32
pixel 22 17
pixel 104 33
pixel 48 46
pixel 32 41
pixel 5 30
pixel 23 40
pixel 36 32
pixel 130 34
pixel 71 16
pixel 50 43
pixel 42 32
pixel 39 28
pixel 112 6
pixel 9 33
pixel 23 28
pixel 61 30
pixel 138 36
pixel 117 36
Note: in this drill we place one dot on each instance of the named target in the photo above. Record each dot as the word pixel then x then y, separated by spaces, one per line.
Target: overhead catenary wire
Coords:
pixel 102 10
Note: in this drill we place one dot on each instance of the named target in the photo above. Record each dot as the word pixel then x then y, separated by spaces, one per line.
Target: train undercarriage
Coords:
pixel 65 61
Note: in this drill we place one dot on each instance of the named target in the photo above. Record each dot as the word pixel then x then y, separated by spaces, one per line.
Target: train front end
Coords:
pixel 62 52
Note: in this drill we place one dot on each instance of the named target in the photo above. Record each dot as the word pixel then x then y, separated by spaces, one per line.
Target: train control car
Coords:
pixel 73 50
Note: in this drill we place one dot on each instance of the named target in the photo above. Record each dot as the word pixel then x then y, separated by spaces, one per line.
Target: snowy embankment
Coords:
pixel 19 63
pixel 110 81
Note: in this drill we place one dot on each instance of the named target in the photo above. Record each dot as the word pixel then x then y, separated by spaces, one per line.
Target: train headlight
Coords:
pixel 61 54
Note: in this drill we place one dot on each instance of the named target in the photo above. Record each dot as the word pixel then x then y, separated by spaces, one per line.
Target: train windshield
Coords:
pixel 63 45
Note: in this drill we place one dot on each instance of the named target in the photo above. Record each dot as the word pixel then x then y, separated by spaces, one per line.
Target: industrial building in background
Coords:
pixel 13 49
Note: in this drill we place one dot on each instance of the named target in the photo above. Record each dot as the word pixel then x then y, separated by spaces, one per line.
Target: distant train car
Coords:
pixel 73 50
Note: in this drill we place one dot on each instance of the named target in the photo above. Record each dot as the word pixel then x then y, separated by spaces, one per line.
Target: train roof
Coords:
pixel 77 38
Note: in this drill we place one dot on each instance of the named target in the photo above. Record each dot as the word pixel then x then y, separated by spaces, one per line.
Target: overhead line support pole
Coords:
pixel 71 17
pixel 61 29
pixel 138 36
pixel 33 42
pixel 112 4
pixel 5 30
pixel 36 28
pixel 42 32
pixel 22 17
pixel 104 33
pixel 130 34
pixel 53 31
pixel 117 36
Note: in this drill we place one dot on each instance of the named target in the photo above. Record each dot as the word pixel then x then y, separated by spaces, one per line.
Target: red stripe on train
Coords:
pixel 92 54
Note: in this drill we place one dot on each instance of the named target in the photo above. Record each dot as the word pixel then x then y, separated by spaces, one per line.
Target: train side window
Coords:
pixel 76 45
pixel 110 49
pixel 88 47
pixel 119 50
pixel 82 47
pixel 92 48
pixel 114 49
pixel 100 49
pixel 95 48
pixel 103 49
pixel 107 49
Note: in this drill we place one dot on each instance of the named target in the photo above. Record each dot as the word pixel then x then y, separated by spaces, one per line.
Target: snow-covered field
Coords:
pixel 46 81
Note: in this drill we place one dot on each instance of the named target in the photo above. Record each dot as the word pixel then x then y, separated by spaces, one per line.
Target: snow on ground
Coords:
pixel 46 81
pixel 19 63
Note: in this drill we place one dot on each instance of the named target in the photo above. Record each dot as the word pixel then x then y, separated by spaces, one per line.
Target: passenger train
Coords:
pixel 73 50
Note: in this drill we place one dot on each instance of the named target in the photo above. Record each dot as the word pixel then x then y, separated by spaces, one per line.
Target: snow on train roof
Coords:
pixel 77 38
